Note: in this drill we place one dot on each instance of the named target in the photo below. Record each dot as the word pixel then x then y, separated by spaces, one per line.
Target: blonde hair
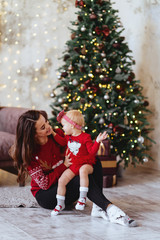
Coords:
pixel 76 116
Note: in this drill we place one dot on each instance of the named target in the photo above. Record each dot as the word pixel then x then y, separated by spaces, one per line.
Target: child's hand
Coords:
pixel 101 136
pixel 53 133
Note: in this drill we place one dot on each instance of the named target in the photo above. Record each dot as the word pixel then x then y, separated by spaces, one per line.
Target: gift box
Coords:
pixel 109 165
pixel 109 181
pixel 104 148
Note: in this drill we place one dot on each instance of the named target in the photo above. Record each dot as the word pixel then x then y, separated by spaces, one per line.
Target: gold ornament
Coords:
pixel 125 120
pixel 63 5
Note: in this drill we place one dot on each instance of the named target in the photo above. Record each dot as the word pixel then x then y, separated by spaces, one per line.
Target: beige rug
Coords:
pixel 14 196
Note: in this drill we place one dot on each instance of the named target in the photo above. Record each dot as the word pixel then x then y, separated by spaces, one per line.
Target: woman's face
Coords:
pixel 43 129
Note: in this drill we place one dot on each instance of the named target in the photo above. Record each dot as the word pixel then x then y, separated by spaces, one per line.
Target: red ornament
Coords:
pixel 80 18
pixel 93 16
pixel 110 125
pixel 105 30
pixel 79 3
pixel 73 35
pixel 116 45
pixel 66 57
pixel 66 89
pixel 98 30
pixel 101 46
pixel 64 74
pixel 118 129
pixel 99 2
pixel 146 103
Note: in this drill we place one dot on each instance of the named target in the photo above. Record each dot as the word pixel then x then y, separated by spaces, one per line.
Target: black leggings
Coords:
pixel 47 198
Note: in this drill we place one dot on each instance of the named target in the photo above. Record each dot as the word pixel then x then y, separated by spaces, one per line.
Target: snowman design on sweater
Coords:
pixel 74 147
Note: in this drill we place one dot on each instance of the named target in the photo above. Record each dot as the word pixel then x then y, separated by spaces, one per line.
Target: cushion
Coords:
pixel 6 141
pixel 9 117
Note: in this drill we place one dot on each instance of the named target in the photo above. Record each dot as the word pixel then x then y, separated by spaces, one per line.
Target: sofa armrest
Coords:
pixel 9 117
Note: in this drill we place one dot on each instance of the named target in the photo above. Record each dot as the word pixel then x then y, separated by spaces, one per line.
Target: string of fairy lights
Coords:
pixel 29 49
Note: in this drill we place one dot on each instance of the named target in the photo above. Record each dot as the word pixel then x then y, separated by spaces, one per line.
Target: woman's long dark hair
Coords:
pixel 23 149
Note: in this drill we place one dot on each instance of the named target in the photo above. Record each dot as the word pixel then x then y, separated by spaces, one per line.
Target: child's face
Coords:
pixel 67 127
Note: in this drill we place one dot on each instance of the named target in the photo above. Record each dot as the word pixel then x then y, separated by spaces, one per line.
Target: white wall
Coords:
pixel 33 34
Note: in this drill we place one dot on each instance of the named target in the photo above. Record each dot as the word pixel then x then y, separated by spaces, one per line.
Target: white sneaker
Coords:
pixel 80 204
pixel 99 212
pixel 116 215
pixel 57 210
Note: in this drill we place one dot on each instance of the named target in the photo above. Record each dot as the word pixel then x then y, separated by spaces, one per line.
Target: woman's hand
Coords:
pixel 67 160
pixel 102 136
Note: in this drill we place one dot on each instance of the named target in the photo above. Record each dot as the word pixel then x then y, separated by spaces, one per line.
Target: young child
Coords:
pixel 82 152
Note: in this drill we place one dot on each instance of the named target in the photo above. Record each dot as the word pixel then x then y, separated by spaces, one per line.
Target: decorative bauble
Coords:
pixel 80 18
pixel 83 29
pixel 146 103
pixel 140 139
pixel 64 74
pixel 136 101
pixel 118 129
pixel 99 2
pixel 73 35
pixel 145 159
pixel 101 76
pixel 93 16
pixel 118 70
pixel 91 96
pixel 125 120
pixel 101 121
pixel 132 75
pixel 97 70
pixel 66 89
pixel 75 82
pixel 52 95
pixel 110 125
pixel 66 56
pixel 79 3
pixel 70 68
pixel 103 54
pixel 60 100
pixel 101 46
pixel 116 45
pixel 106 96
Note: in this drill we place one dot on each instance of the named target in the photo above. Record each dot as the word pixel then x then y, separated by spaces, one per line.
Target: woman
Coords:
pixel 37 153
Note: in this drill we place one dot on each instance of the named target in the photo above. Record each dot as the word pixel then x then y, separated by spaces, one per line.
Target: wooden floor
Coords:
pixel 137 193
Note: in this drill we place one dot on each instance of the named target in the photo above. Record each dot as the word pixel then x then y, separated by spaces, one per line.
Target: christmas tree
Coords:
pixel 97 78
